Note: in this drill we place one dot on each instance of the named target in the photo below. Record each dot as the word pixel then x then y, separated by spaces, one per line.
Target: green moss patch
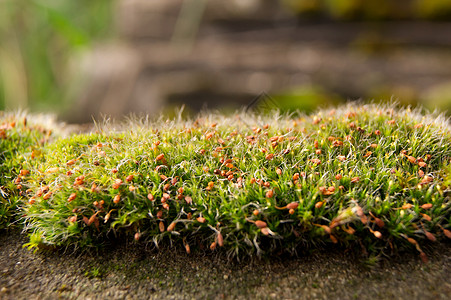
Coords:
pixel 18 136
pixel 368 176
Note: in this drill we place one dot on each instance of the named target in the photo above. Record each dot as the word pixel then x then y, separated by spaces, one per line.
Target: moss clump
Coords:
pixel 18 136
pixel 370 175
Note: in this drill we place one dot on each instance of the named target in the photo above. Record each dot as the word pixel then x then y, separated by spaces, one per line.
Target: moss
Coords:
pixel 18 136
pixel 368 176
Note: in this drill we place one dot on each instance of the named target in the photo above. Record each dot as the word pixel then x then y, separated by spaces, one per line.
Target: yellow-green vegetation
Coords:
pixel 372 9
pixel 18 136
pixel 40 42
pixel 370 176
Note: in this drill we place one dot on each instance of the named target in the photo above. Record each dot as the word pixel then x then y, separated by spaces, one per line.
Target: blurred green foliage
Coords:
pixel 305 98
pixel 38 39
pixel 373 9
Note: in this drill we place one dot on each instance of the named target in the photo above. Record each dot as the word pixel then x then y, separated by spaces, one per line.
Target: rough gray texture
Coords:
pixel 234 50
pixel 134 272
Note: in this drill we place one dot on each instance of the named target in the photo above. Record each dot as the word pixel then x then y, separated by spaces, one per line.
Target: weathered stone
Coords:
pixel 228 63
pixel 158 19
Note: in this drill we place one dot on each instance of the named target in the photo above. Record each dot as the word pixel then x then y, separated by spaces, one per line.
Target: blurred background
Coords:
pixel 84 58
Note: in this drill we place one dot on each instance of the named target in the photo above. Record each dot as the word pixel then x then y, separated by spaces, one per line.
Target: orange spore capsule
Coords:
pixel 316 161
pixel 426 179
pixel 92 219
pixel 412 241
pixel 426 206
pixel 117 183
pixel 220 239
pixel 137 236
pixel 213 246
pixel 201 219
pixel 209 135
pixel 377 234
pixel 47 195
pixel 379 222
pixel 171 226
pixel 407 206
pixel 355 179
pixel 333 239
pixel 269 194
pixel 324 227
pixel 71 162
pixel 430 236
pixel 24 172
pixel 293 205
pixel 426 217
pixel 319 204
pixel 447 233
pixel 412 159
pixel 71 197
pixel 260 224
pixel 269 156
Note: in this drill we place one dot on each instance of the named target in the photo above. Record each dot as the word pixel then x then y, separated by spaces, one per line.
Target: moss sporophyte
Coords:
pixel 368 175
